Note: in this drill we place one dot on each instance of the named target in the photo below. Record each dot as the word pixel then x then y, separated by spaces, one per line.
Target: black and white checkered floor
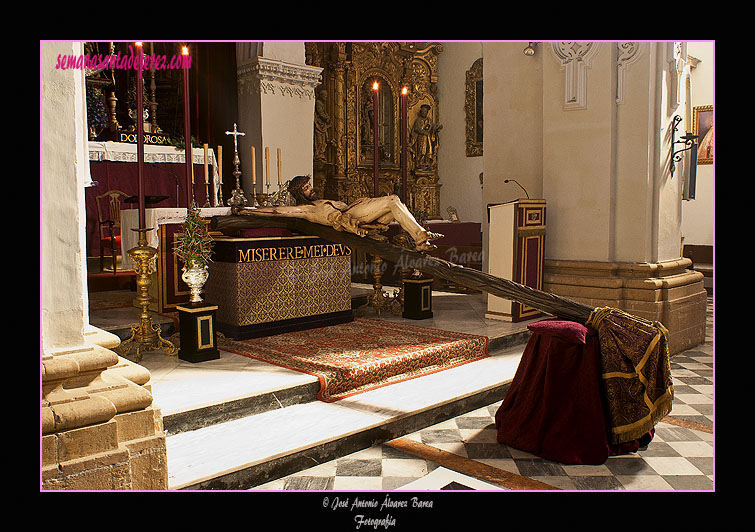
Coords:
pixel 462 453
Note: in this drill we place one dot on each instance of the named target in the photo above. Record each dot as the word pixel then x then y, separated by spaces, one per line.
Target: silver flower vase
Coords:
pixel 195 277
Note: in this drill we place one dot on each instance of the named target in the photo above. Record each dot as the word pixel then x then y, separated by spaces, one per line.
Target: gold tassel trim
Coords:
pixel 640 427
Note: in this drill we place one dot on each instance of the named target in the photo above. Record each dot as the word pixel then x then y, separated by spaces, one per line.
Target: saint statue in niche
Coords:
pixel 423 139
pixel 322 125
pixel 359 217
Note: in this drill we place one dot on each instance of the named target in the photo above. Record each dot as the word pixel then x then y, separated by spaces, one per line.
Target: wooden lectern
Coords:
pixel 516 252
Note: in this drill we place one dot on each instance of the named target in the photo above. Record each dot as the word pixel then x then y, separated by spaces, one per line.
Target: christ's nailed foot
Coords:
pixel 426 246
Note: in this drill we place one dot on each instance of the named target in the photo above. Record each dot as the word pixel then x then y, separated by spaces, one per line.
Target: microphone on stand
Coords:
pixel 154 165
pixel 520 186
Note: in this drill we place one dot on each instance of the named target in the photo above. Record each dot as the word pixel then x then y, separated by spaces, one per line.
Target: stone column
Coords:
pixel 276 110
pixel 586 126
pixel 614 211
pixel 99 428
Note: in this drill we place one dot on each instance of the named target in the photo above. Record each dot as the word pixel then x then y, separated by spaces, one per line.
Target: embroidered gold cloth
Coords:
pixel 636 372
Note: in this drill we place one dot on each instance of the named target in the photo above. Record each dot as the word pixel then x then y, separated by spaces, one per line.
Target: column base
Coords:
pixel 100 430
pixel 667 291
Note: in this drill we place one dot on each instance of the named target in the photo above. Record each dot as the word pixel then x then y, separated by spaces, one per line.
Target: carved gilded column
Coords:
pixel 421 74
pixel 339 69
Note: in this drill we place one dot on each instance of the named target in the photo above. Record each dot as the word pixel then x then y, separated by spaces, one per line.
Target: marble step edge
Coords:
pixel 199 417
pixel 260 471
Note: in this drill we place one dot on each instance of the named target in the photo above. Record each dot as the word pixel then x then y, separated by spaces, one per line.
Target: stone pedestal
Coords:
pixel 667 291
pixel 197 329
pixel 99 428
pixel 418 299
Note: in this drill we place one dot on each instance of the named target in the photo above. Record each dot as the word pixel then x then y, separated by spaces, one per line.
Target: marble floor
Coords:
pixel 680 457
pixel 457 454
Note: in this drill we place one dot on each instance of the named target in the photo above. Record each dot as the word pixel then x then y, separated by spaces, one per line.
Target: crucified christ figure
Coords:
pixel 358 218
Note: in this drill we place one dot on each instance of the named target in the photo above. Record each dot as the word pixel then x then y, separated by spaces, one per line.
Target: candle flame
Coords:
pixel 375 86
pixel 185 50
pixel 404 90
pixel 139 44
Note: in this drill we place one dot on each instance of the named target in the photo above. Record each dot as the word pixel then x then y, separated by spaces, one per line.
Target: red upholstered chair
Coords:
pixel 109 218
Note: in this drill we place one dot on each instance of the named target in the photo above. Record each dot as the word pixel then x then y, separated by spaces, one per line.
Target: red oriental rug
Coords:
pixel 365 354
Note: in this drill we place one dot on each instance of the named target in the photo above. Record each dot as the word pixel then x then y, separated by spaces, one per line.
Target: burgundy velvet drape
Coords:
pixel 554 408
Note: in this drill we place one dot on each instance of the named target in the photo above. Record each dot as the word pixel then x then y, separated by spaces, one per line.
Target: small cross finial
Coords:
pixel 235 134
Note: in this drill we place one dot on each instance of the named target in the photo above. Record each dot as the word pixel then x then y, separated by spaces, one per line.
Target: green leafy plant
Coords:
pixel 194 245
pixel 179 142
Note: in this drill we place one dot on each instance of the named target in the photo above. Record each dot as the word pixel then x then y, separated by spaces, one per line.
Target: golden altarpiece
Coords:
pixel 344 121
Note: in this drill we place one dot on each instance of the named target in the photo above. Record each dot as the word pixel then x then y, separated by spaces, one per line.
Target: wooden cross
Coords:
pixel 235 134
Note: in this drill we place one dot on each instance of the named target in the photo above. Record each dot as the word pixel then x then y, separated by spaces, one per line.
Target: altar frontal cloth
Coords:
pixel 271 285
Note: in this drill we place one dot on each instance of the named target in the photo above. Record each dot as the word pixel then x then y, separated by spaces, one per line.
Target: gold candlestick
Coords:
pixel 145 336
pixel 378 300
pixel 207 195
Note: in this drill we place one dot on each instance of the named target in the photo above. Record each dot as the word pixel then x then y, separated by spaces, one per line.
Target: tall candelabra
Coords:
pixel 145 336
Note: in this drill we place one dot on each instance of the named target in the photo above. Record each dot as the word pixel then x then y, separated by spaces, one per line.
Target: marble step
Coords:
pixel 238 407
pixel 301 390
pixel 258 439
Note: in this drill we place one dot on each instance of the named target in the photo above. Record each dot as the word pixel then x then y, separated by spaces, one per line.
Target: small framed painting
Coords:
pixel 702 126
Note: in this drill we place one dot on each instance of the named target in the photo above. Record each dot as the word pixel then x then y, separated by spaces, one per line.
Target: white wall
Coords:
pixel 276 106
pixel 697 214
pixel 458 174
pixel 65 172
pixel 513 129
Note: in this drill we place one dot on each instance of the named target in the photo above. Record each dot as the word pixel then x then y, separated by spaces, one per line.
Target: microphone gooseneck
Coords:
pixel 520 186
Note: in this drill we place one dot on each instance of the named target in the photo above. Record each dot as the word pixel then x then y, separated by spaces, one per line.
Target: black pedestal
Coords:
pixel 197 330
pixel 418 299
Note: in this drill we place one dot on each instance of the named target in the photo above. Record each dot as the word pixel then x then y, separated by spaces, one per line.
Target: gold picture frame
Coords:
pixel 473 97
pixel 702 126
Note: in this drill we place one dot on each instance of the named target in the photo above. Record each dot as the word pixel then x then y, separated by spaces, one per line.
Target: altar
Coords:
pixel 279 282
pixel 113 166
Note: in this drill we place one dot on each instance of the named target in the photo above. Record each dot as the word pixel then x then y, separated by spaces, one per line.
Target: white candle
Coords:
pixel 279 166
pixel 267 165
pixel 254 168
pixel 220 164
pixel 206 170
